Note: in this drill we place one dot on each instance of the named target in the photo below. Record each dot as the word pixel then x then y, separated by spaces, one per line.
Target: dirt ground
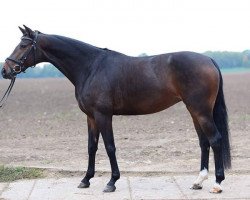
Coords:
pixel 42 126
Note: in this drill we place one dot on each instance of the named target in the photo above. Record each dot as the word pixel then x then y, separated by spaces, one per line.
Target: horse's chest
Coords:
pixel 92 100
pixel 84 101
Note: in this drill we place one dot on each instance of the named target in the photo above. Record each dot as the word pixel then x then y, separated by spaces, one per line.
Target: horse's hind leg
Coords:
pixel 93 137
pixel 207 124
pixel 205 146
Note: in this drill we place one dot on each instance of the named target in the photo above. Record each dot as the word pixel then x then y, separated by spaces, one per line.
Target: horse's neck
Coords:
pixel 73 58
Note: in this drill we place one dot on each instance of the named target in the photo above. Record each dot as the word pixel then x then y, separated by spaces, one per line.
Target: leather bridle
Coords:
pixel 19 67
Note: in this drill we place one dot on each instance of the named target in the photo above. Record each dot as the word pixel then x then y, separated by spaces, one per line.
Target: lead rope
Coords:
pixel 6 94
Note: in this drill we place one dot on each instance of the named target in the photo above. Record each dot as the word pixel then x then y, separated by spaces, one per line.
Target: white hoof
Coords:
pixel 216 189
pixel 203 175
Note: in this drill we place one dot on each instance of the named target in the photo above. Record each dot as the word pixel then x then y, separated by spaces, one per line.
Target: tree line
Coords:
pixel 225 59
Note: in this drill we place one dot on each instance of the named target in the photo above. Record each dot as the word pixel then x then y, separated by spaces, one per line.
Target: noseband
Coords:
pixel 19 67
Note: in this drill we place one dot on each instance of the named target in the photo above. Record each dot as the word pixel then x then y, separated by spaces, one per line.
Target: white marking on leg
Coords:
pixel 203 175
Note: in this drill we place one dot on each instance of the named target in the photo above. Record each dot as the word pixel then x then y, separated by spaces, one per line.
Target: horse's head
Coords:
pixel 23 56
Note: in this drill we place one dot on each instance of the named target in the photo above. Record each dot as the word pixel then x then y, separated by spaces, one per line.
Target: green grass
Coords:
pixel 8 174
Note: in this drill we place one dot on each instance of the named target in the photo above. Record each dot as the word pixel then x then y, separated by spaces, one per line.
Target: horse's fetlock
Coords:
pixel 90 174
pixel 220 178
pixel 116 176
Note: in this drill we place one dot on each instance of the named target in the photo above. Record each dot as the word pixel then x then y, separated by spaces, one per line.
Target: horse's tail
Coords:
pixel 221 121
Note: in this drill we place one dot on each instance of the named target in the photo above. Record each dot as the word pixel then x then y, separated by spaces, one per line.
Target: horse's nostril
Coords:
pixel 3 72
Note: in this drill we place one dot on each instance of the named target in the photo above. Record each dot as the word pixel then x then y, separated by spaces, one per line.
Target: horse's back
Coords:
pixel 128 85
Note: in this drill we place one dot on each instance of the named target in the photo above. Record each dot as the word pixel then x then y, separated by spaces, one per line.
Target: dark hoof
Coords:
pixel 196 187
pixel 83 185
pixel 109 188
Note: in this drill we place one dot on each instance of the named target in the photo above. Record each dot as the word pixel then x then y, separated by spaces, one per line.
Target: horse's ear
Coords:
pixel 22 30
pixel 29 31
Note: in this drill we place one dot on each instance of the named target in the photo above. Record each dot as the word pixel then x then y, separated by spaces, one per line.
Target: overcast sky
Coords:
pixel 133 26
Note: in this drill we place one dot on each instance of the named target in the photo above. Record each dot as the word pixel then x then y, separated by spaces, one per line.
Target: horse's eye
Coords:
pixel 23 45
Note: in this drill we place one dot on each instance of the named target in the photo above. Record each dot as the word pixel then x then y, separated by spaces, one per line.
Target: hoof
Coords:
pixel 196 186
pixel 83 185
pixel 216 189
pixel 109 188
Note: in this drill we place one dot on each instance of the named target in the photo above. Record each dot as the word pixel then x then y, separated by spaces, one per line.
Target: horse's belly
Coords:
pixel 146 106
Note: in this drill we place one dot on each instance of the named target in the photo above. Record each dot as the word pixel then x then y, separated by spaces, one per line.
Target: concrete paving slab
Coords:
pixel 234 187
pixel 19 190
pixel 154 188
pixel 66 188
pixel 122 190
pixel 2 187
pixel 128 188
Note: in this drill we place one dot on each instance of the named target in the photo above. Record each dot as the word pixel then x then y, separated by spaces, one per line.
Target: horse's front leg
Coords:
pixel 104 123
pixel 93 137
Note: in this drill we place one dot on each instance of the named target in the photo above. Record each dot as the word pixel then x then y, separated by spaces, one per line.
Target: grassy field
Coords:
pixel 15 173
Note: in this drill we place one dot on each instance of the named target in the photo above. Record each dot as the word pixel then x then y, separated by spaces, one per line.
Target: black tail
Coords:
pixel 221 121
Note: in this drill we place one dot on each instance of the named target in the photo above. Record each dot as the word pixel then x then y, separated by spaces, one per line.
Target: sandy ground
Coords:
pixel 42 125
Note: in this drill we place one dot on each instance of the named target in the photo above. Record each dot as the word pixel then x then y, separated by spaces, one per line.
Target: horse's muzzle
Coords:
pixel 5 74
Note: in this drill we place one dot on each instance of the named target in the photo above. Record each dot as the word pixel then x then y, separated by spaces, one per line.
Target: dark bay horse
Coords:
pixel 109 83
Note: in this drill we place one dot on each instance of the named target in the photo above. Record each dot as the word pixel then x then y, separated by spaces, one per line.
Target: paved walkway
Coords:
pixel 153 187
